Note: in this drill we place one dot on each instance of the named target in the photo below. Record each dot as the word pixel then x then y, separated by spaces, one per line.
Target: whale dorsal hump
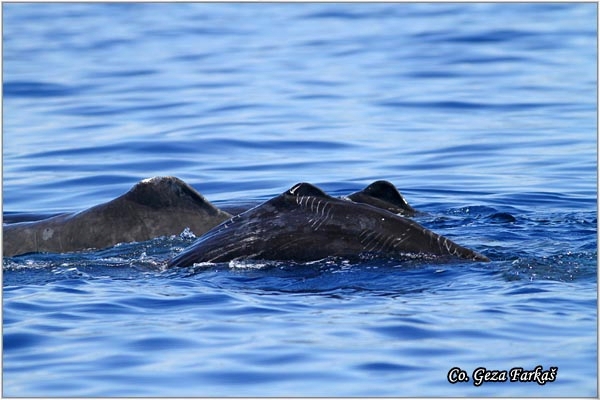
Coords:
pixel 305 189
pixel 165 192
pixel 385 190
pixel 383 194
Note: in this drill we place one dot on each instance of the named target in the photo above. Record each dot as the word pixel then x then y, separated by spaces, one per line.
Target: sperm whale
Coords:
pixel 153 207
pixel 305 224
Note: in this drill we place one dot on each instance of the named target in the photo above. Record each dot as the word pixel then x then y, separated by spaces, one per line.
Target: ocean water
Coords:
pixel 483 115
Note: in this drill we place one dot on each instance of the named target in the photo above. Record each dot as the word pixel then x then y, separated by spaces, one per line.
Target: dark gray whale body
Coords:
pixel 302 224
pixel 305 224
pixel 153 207
pixel 382 194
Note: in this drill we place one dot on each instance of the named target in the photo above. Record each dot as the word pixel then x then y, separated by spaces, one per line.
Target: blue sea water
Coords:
pixel 483 115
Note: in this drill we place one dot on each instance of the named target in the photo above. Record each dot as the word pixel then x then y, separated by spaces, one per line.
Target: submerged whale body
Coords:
pixel 153 207
pixel 305 224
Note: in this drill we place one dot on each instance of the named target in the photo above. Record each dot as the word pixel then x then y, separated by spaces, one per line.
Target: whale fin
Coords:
pixel 384 194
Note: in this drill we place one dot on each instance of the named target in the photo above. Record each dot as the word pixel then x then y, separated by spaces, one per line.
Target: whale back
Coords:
pixel 305 224
pixel 153 207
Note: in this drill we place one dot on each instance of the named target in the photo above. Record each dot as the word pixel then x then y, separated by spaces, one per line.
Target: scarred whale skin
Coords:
pixel 153 207
pixel 305 224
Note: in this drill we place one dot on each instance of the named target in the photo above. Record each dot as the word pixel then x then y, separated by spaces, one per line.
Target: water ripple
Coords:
pixel 37 89
pixel 463 105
